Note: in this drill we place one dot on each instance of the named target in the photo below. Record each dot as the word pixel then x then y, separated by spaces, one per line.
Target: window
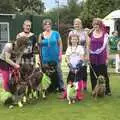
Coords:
pixel 4 34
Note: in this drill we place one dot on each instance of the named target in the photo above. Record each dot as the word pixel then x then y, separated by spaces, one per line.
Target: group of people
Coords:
pixel 83 48
pixel 89 48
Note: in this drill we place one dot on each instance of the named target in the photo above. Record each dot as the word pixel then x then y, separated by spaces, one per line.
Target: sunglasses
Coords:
pixel 95 23
pixel 47 24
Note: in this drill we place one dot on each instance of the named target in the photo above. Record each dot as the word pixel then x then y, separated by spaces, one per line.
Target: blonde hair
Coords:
pixel 97 21
pixel 77 20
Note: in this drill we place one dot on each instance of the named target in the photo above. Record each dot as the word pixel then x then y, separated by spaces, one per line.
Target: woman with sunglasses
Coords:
pixel 51 50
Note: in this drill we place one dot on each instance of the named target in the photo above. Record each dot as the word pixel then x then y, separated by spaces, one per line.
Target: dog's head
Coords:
pixel 35 78
pixel 21 88
pixel 101 79
pixel 26 70
pixel 49 68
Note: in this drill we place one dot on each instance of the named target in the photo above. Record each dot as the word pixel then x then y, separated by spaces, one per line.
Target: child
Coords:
pixel 75 61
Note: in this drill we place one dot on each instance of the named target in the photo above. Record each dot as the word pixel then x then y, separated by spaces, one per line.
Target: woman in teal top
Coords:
pixel 51 49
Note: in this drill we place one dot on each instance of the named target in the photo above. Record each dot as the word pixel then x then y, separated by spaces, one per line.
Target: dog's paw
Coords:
pixel 73 101
pixel 24 99
pixel 43 96
pixel 20 104
pixel 30 96
pixel 11 107
pixel 69 102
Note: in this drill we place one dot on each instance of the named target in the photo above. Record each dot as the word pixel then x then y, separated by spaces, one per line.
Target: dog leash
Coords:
pixel 93 71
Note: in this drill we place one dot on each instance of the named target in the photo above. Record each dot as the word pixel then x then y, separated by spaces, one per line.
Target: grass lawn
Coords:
pixel 53 108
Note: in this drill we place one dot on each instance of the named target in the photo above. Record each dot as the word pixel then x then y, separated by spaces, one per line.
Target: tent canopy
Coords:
pixel 112 15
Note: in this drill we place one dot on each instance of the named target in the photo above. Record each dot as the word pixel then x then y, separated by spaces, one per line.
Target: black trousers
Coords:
pixel 75 77
pixel 99 70
pixel 85 74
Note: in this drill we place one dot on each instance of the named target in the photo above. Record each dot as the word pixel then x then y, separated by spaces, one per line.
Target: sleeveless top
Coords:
pixel 97 43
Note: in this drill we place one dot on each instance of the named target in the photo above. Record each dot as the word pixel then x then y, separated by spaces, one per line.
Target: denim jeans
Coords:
pixel 60 76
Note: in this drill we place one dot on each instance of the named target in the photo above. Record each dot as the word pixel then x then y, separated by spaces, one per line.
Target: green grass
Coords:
pixel 52 108
pixel 55 109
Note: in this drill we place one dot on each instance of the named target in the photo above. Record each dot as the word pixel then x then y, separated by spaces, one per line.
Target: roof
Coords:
pixel 2 14
pixel 112 15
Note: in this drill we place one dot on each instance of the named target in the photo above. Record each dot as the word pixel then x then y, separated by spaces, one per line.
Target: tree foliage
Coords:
pixel 97 8
pixel 30 6
pixel 7 6
pixel 22 6
pixel 86 10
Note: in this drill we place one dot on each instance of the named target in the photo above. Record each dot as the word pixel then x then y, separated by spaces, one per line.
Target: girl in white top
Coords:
pixel 75 58
pixel 83 41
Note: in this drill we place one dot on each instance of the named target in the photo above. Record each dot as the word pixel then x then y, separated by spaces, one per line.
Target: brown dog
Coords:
pixel 99 90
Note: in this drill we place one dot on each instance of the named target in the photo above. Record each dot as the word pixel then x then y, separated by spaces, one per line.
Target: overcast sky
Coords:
pixel 49 4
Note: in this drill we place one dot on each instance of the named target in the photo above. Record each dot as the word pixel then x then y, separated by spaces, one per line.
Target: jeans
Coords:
pixel 60 76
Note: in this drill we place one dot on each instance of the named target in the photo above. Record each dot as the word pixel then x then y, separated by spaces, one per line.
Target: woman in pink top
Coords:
pixel 99 53
pixel 6 61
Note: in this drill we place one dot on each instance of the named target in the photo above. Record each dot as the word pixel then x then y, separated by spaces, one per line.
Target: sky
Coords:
pixel 49 4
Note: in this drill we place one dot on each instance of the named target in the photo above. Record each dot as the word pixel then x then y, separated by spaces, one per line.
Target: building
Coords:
pixel 11 24
pixel 112 21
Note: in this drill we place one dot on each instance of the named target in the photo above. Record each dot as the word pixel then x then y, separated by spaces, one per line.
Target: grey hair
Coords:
pixel 47 21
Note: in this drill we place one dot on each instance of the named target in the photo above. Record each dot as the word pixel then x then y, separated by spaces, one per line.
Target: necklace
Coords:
pixel 47 35
pixel 73 49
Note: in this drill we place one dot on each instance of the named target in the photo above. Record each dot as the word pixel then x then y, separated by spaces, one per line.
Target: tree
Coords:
pixel 22 6
pixel 66 17
pixel 30 6
pixel 97 8
pixel 7 6
pixel 86 10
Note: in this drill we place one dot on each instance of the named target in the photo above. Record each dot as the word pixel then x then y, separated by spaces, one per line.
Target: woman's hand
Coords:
pixel 60 56
pixel 107 61
pixel 17 66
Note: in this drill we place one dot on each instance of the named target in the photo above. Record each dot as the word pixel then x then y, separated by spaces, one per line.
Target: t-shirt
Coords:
pixel 113 40
pixel 75 54
pixel 30 44
pixel 6 53
pixel 50 48
pixel 28 57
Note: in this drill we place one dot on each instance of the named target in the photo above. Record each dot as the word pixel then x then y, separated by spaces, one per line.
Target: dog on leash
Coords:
pixel 99 90
pixel 50 69
pixel 16 92
pixel 33 82
pixel 71 92
pixel 37 80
